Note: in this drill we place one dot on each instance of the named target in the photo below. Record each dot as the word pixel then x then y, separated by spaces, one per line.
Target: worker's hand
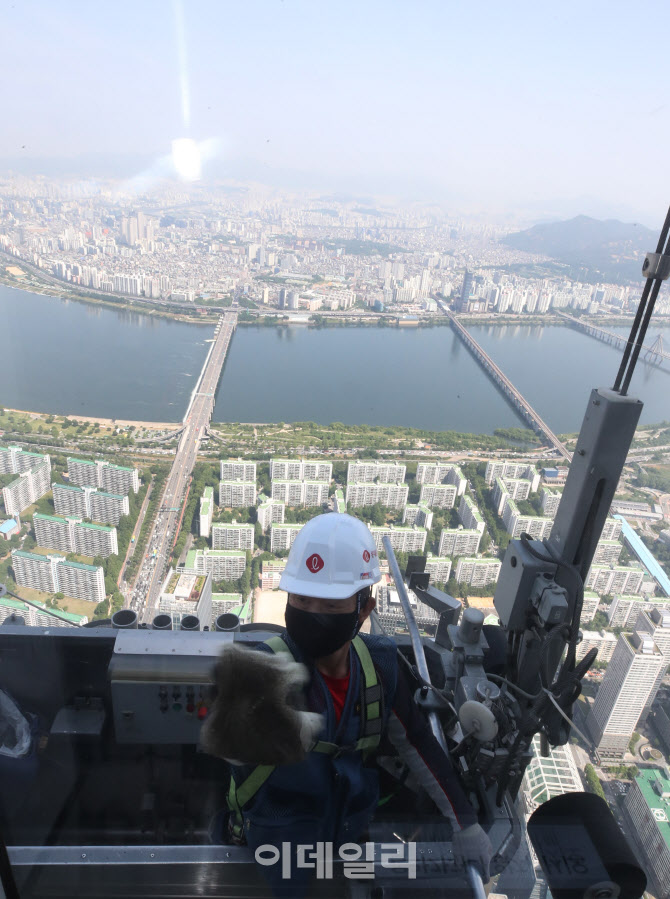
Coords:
pixel 252 720
pixel 472 847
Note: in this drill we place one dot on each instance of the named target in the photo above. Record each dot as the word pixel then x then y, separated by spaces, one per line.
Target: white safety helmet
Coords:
pixel 333 557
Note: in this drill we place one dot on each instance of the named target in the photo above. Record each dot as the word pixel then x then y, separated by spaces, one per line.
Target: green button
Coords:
pixel 176 706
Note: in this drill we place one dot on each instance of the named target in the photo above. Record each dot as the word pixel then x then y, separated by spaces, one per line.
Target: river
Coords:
pixel 74 358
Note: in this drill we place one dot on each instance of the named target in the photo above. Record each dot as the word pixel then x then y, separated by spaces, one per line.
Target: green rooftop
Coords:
pixel 24 554
pixel 24 607
pixel 655 788
pixel 226 597
pixel 80 461
pixel 190 559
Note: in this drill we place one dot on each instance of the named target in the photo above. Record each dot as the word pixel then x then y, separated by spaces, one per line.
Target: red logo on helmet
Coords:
pixel 366 555
pixel 315 563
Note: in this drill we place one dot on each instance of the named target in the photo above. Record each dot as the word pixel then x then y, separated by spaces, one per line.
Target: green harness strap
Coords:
pixel 371 715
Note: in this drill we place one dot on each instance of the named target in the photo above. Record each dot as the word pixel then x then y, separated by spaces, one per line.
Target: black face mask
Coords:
pixel 319 634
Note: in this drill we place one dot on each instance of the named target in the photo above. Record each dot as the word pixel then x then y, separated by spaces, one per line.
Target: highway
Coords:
pixel 146 595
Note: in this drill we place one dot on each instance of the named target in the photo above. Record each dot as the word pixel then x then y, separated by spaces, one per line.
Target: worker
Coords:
pixel 308 775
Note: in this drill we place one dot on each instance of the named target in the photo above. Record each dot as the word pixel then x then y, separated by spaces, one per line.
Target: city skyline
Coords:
pixel 519 114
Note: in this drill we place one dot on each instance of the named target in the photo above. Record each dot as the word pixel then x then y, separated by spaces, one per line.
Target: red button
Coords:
pixel 202 712
pixel 190 707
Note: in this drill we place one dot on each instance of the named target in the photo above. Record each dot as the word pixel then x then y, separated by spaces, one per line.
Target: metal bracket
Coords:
pixel 429 699
pixel 656 265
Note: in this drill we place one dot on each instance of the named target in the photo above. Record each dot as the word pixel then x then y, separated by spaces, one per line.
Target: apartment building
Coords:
pixel 269 512
pixel 88 502
pixel 392 496
pixel 238 470
pixel 271 571
pixel 441 473
pixel 613 579
pixel 233 536
pixel 459 542
pixel 477 572
pixel 31 484
pixel 282 536
pixel 366 472
pixel 506 468
pixel 438 496
pixel 222 564
pixel 516 524
pixel 206 511
pixel 72 535
pixel 300 470
pixel 54 574
pixel 236 494
pixel 300 493
pixel 103 475
pixel 403 539
pixel 419 514
pixel 469 514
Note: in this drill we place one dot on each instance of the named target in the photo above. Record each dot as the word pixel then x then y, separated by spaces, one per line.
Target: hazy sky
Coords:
pixel 532 107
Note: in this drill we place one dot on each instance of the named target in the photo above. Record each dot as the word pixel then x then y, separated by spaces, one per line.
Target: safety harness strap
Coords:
pixel 372 700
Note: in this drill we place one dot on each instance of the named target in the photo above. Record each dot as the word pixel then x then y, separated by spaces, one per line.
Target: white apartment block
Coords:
pixel 53 574
pixel 14 460
pixel 614 579
pixel 469 514
pixel 459 542
pixel 206 511
pixel 589 607
pixel 477 572
pixel 392 496
pixel 222 564
pixel 300 493
pixel 404 540
pixel 40 617
pixel 233 536
pixel 516 488
pixel 300 470
pixel 187 592
pixel 365 472
pixel 271 572
pixel 72 535
pixel 441 473
pixel 31 484
pixel 418 514
pixel 516 524
pixel 282 536
pixel 550 500
pixel 439 568
pixel 88 502
pixel 390 610
pixel 611 529
pixel 624 610
pixel 236 494
pixel 238 470
pixel 103 475
pixel 603 641
pixel 623 694
pixel 269 512
pixel 505 468
pixel 607 552
pixel 438 496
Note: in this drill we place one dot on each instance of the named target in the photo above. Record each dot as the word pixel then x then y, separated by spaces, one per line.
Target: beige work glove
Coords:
pixel 252 720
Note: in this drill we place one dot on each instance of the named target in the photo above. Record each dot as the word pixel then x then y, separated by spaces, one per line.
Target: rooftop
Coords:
pixel 8 526
pixel 655 788
pixel 644 555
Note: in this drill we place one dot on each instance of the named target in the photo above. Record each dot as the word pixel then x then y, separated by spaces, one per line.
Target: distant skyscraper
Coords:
pixel 624 692
pixel 466 289
pixel 283 293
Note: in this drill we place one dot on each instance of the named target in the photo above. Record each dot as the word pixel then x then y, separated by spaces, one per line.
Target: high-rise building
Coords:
pixel 54 574
pixel 506 468
pixel 222 564
pixel 392 496
pixel 233 536
pixel 238 470
pixel 459 542
pixel 551 775
pixel 72 535
pixel 441 473
pixel 187 592
pixel 282 536
pixel 31 484
pixel 300 470
pixel 236 494
pixel 206 511
pixel 646 809
pixel 402 539
pixel 438 496
pixel 300 493
pixel 614 579
pixel 623 694
pixel 656 623
pixel 477 572
pixel 470 515
pixel 88 502
pixel 536 526
pixel 103 475
pixel 419 514
pixel 439 568
pixel 269 511
pixel 365 472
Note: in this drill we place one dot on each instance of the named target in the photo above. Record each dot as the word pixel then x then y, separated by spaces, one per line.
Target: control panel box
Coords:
pixel 162 684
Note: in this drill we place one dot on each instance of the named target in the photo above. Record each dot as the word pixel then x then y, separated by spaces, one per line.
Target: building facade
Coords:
pixel 206 511
pixel 89 502
pixel 72 535
pixel 31 484
pixel 419 514
pixel 623 694
pixel 438 496
pixel 477 572
pixel 300 493
pixel 53 574
pixel 441 473
pixel 300 470
pixel 238 470
pixel 614 579
pixel 103 475
pixel 222 564
pixel 470 515
pixel 402 539
pixel 459 542
pixel 392 496
pixel 646 807
pixel 269 512
pixel 282 536
pixel 233 536
pixel 236 494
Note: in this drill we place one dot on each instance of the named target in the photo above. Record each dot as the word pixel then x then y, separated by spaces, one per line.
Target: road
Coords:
pixel 146 595
pixel 132 546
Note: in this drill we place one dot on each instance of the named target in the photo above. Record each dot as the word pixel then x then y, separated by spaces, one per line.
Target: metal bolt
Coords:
pixel 153 854
pixel 83 855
